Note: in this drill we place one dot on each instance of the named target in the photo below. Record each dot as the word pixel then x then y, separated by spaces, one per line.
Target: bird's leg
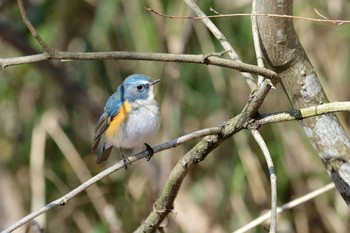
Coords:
pixel 125 160
pixel 150 152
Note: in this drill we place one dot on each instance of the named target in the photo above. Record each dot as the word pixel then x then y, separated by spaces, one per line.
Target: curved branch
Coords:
pixel 273 179
pixel 257 136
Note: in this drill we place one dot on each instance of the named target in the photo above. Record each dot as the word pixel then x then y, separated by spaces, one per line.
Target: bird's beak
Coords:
pixel 155 82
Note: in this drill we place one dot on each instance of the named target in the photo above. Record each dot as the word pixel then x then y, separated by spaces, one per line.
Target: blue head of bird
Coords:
pixel 137 87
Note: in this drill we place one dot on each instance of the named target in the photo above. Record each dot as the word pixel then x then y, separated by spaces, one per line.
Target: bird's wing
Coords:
pixel 111 110
pixel 104 154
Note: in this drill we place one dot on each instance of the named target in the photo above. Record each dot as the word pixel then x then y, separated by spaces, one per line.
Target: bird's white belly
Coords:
pixel 141 127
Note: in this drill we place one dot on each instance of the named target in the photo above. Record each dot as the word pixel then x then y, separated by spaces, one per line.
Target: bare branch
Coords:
pixel 249 117
pixel 208 59
pixel 226 129
pixel 273 179
pixel 287 206
pixel 164 205
pixel 120 165
pixel 202 59
pixel 332 21
pixel 302 113
pixel 36 226
pixel 31 28
pixel 258 52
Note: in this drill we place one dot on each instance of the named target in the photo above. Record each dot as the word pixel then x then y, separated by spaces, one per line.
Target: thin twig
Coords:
pixel 36 226
pixel 324 17
pixel 32 29
pixel 273 179
pixel 256 134
pixel 333 21
pixel 287 206
pixel 299 114
pixel 223 41
pixel 256 40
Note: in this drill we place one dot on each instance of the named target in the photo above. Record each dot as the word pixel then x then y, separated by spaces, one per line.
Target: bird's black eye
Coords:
pixel 140 87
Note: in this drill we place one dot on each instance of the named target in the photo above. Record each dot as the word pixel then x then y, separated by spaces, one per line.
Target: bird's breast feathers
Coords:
pixel 119 119
pixel 138 124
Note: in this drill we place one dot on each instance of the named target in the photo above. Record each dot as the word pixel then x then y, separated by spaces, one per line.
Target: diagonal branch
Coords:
pixel 287 206
pixel 164 204
pixel 120 165
pixel 226 130
pixel 31 28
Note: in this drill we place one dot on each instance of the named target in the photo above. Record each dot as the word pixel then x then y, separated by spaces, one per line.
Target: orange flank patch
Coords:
pixel 118 120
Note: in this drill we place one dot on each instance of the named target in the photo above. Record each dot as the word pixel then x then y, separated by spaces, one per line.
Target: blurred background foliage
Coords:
pixel 48 112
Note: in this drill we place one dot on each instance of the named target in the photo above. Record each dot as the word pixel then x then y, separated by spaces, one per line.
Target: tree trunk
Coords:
pixel 286 56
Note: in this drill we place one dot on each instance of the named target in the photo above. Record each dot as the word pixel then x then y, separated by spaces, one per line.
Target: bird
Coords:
pixel 130 118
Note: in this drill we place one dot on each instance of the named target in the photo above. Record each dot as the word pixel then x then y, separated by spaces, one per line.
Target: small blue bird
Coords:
pixel 131 118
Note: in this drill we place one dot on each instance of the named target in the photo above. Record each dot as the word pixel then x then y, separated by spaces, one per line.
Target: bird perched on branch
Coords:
pixel 131 118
